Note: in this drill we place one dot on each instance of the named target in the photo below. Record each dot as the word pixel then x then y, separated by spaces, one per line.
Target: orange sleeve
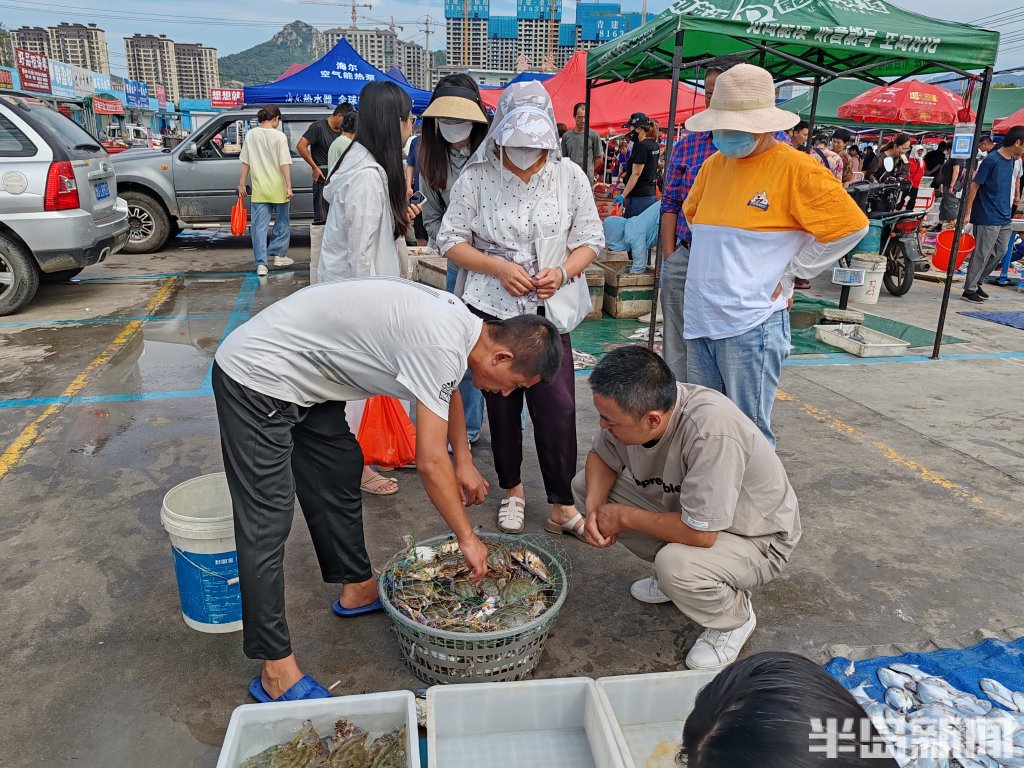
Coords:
pixel 822 206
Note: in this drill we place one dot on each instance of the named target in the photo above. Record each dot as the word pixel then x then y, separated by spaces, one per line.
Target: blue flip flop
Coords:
pixel 306 688
pixel 348 613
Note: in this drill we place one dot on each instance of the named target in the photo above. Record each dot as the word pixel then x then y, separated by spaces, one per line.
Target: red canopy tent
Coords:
pixel 611 105
pixel 910 101
pixel 1003 124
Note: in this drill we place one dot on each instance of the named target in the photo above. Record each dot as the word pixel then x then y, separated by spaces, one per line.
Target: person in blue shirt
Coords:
pixel 989 209
pixel 636 236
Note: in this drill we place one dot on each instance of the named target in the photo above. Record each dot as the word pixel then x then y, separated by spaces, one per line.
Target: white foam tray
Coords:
pixel 647 713
pixel 254 727
pixel 877 344
pixel 537 723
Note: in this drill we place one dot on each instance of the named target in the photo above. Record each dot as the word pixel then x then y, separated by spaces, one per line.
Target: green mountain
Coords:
pixel 296 43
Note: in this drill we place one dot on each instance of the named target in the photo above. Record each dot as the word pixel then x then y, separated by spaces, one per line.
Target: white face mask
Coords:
pixel 454 131
pixel 523 157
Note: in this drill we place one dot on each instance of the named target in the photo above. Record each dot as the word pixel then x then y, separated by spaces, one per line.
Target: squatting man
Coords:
pixel 682 478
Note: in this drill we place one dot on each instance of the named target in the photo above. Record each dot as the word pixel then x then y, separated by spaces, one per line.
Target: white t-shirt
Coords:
pixel 265 150
pixel 354 339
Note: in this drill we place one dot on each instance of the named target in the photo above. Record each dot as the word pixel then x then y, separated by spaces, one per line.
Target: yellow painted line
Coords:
pixel 890 454
pixel 30 435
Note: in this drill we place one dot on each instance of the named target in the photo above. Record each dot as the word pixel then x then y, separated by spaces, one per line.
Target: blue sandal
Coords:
pixel 347 613
pixel 306 688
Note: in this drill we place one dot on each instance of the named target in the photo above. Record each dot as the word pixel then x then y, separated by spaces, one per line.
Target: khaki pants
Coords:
pixel 709 585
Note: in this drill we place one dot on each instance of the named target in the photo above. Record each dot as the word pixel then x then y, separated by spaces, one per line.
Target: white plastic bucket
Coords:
pixel 874 269
pixel 197 516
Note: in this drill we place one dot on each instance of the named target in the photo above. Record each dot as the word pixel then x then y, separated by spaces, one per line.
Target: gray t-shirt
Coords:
pixel 573 145
pixel 354 339
pixel 713 467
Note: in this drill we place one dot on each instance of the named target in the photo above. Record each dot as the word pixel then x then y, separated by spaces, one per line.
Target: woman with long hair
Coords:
pixel 454 126
pixel 516 201
pixel 895 150
pixel 267 160
pixel 369 210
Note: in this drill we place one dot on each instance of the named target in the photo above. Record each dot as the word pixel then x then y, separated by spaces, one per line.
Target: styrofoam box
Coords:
pixel 647 713
pixel 254 727
pixel 556 722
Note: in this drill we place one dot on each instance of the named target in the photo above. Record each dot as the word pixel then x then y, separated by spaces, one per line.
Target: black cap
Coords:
pixel 637 120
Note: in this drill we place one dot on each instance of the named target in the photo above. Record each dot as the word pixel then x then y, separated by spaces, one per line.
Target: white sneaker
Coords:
pixel 716 650
pixel 283 261
pixel 261 270
pixel 647 591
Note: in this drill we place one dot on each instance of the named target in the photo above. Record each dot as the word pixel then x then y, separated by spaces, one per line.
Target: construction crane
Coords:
pixel 552 36
pixel 339 4
pixel 465 33
pixel 391 24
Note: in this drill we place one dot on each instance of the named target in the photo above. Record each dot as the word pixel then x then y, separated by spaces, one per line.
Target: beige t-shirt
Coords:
pixel 265 150
pixel 713 467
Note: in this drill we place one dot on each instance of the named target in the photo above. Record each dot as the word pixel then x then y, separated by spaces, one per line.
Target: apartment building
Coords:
pixel 83 45
pixel 152 60
pixel 383 49
pixel 197 70
pixel 33 39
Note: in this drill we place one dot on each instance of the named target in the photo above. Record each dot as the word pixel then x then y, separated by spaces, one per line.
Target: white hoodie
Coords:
pixel 358 237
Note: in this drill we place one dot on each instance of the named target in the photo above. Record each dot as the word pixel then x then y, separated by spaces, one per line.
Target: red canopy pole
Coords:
pixel 958 232
pixel 659 254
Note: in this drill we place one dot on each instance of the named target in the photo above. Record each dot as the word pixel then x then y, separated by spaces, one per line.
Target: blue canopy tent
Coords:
pixel 522 77
pixel 337 78
pixel 398 75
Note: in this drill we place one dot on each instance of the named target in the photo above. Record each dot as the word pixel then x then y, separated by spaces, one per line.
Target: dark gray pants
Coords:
pixel 274 450
pixel 990 244
pixel 673 286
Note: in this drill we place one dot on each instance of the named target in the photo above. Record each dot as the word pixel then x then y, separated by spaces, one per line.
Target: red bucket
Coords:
pixel 943 244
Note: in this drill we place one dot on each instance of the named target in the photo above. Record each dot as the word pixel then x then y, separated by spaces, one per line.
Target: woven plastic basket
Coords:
pixel 438 656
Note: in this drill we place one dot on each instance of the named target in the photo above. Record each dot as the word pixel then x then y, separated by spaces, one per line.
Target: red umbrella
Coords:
pixel 1003 124
pixel 910 101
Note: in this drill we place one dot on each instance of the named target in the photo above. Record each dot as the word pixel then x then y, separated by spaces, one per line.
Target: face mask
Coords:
pixel 523 157
pixel 454 131
pixel 634 136
pixel 734 143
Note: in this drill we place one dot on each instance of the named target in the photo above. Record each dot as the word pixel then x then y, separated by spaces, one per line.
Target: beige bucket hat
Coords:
pixel 455 103
pixel 744 100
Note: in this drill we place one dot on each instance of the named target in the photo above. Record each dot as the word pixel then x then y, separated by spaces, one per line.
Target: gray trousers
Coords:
pixel 990 244
pixel 673 284
pixel 709 585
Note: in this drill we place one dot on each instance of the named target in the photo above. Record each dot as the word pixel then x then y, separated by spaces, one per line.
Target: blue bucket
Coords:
pixel 197 517
pixel 872 241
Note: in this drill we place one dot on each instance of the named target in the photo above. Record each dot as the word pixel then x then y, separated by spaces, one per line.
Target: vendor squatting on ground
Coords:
pixel 683 475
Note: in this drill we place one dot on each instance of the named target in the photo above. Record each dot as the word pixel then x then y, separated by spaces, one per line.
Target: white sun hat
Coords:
pixel 744 100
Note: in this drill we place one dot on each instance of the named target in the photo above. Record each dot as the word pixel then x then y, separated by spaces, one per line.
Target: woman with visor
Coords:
pixel 515 196
pixel 454 126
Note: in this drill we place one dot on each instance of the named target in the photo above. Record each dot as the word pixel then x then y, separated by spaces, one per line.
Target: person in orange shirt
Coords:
pixel 762 215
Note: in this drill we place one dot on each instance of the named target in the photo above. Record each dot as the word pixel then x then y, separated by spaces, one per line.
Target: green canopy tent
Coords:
pixel 808 41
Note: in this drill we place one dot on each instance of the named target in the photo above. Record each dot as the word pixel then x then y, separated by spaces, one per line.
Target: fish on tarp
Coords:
pixel 1002 695
pixel 900 700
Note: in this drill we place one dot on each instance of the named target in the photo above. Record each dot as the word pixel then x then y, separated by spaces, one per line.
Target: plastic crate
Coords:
pixel 647 713
pixel 537 723
pixel 254 727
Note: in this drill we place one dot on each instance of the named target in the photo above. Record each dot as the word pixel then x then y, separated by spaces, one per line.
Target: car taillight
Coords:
pixel 61 187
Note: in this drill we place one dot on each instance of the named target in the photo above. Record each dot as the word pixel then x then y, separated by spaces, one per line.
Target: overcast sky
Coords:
pixel 255 21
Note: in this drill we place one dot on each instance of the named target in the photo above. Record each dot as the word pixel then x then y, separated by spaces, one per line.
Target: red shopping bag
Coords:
pixel 386 434
pixel 239 217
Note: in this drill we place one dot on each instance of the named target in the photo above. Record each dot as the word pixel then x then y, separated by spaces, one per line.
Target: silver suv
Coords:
pixel 59 210
pixel 195 183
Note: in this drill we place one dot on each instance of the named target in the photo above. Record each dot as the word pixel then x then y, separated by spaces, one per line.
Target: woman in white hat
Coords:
pixel 454 126
pixel 762 215
pixel 516 198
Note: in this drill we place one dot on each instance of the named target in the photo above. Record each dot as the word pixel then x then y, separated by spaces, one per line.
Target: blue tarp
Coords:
pixel 522 77
pixel 1002 661
pixel 338 77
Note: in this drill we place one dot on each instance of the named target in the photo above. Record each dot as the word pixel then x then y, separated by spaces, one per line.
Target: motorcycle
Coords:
pixel 899 242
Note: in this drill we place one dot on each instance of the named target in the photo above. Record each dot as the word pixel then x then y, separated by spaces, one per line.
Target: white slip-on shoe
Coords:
pixel 283 261
pixel 716 650
pixel 261 270
pixel 647 591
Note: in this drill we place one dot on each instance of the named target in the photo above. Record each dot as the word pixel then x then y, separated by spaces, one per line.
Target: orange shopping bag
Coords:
pixel 239 217
pixel 386 434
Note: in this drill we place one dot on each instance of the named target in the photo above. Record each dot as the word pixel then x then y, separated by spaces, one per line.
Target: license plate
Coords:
pixel 102 190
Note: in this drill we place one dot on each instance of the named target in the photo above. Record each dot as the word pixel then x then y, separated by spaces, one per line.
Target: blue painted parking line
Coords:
pixel 243 309
pixel 841 358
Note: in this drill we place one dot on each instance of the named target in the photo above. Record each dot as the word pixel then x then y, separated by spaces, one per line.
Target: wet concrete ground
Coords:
pixel 909 476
